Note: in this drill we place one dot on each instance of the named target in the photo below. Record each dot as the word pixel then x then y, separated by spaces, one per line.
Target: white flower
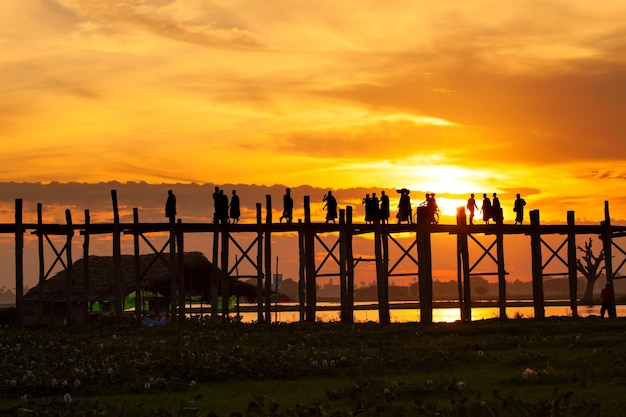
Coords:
pixel 13 382
pixel 332 362
pixel 54 382
pixel 146 385
pixel 429 382
pixel 386 391
pixel 77 383
pixel 324 362
pixel 481 353
pixel 110 371
pixel 524 375
pixel 67 398
pixel 192 383
pixel 64 383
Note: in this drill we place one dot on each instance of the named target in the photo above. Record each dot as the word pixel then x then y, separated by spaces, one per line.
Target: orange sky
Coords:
pixel 451 96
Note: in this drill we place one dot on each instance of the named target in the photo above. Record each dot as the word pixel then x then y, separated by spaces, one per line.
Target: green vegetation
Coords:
pixel 554 367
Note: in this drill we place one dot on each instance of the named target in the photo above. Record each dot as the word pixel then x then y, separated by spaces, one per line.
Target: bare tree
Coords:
pixel 589 266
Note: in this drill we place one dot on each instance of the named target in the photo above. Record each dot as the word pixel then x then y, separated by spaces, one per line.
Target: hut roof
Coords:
pixel 155 277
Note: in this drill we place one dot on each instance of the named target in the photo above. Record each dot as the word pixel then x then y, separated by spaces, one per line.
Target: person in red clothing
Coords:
pixel 608 296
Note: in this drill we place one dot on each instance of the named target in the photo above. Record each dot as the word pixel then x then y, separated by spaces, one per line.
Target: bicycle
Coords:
pixel 434 216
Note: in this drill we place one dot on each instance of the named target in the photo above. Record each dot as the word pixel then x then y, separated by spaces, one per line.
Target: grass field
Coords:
pixel 553 367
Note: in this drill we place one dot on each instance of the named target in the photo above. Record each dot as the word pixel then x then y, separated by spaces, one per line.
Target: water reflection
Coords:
pixel 440 315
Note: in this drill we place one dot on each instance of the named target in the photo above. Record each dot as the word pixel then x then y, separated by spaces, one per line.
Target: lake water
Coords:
pixel 448 315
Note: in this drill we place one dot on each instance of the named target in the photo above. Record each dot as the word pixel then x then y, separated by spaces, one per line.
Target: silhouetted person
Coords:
pixel 496 209
pixel 330 207
pixel 432 207
pixel 405 213
pixel 368 207
pixel 486 209
pixel 429 207
pixel 235 211
pixel 170 206
pixel 216 205
pixel 222 207
pixel 518 208
pixel 384 207
pixel 287 207
pixel 471 206
pixel 607 295
pixel 374 208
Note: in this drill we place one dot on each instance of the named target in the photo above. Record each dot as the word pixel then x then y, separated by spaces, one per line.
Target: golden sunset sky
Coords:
pixel 449 96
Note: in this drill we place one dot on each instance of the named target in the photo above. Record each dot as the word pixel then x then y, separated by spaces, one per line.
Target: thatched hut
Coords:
pixel 155 280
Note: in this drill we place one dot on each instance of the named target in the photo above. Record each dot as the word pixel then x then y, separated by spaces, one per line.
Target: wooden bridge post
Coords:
pixel 571 263
pixel 343 266
pixel 309 249
pixel 86 283
pixel 349 265
pixel 69 317
pixel 42 272
pixel 425 272
pixel 537 265
pixel 173 270
pixel 19 264
pixel 463 269
pixel 214 269
pixel 259 263
pixel 137 263
pixel 501 270
pixel 607 245
pixel 117 260
pixel 268 259
pixel 224 275
pixel 382 278
pixel 301 272
pixel 180 271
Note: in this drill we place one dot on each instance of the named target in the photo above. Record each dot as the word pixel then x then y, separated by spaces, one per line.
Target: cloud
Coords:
pixel 161 20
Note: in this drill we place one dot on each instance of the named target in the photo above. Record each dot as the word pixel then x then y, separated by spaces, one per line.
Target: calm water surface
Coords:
pixel 448 315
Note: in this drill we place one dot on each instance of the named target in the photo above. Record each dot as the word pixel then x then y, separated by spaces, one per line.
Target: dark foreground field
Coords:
pixel 555 367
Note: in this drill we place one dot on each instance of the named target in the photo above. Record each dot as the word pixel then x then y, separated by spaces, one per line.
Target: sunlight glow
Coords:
pixel 448 179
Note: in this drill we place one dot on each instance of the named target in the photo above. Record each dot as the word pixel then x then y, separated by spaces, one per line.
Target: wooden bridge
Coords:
pixel 339 255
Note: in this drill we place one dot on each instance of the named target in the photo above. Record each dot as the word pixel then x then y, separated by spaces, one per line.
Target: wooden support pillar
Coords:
pixel 537 265
pixel 174 313
pixel 42 270
pixel 350 265
pixel 463 269
pixel 309 249
pixel 225 276
pixel 180 273
pixel 571 263
pixel 343 288
pixel 382 277
pixel 69 317
pixel 425 272
pixel 301 272
pixel 117 260
pixel 501 270
pixel 215 275
pixel 137 263
pixel 86 275
pixel 268 259
pixel 607 245
pixel 19 264
pixel 259 263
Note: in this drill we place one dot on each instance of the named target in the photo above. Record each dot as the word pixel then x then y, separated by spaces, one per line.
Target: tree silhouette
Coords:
pixel 589 266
